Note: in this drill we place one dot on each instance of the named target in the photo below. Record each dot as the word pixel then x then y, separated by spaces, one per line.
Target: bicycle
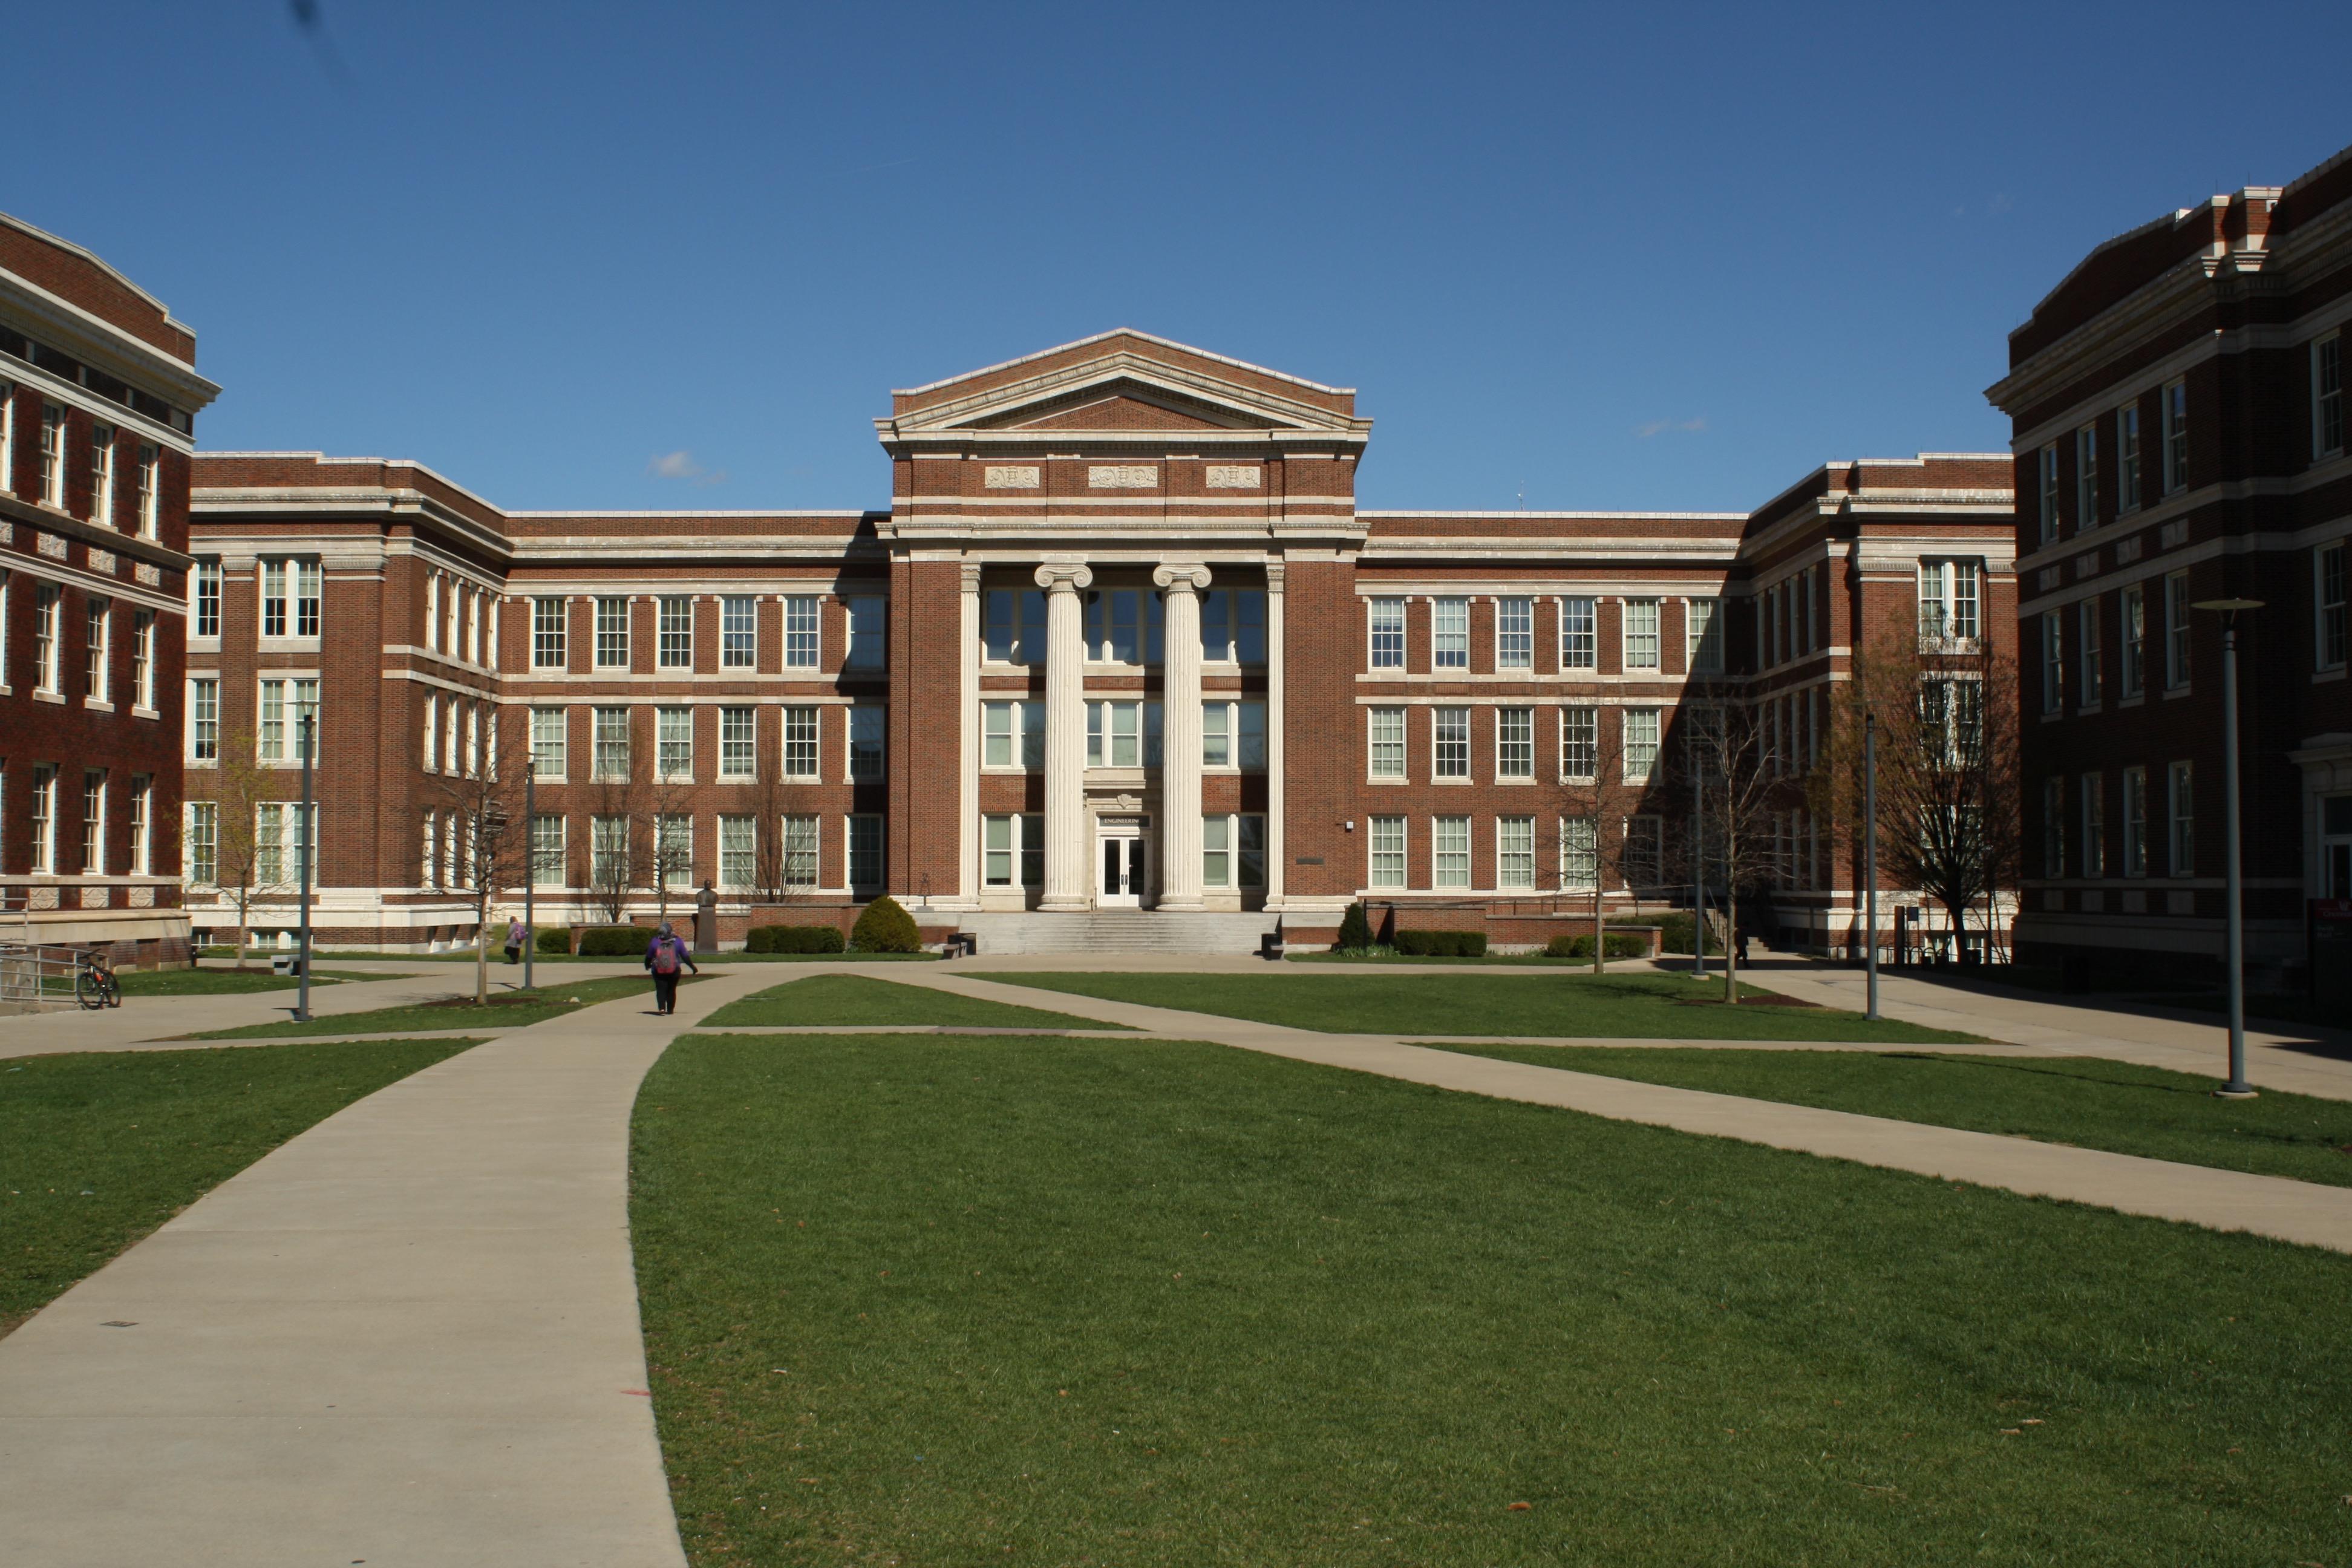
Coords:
pixel 95 985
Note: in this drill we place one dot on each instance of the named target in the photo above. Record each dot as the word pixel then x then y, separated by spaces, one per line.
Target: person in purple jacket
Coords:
pixel 664 956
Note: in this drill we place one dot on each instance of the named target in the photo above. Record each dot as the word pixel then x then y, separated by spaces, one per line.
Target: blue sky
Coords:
pixel 1618 257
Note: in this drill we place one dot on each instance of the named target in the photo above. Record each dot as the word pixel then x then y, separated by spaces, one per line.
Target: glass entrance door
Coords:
pixel 1122 865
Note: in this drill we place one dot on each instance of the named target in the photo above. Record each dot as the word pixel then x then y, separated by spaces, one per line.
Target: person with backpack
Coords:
pixel 515 936
pixel 664 955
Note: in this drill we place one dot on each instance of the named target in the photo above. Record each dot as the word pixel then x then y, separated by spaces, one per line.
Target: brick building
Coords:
pixel 98 397
pixel 2180 437
pixel 1122 640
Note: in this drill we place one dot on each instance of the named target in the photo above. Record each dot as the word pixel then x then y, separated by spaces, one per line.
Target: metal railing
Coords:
pixel 38 977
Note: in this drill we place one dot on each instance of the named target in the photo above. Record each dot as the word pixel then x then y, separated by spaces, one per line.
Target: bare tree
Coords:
pixel 670 803
pixel 1742 791
pixel 770 800
pixel 488 841
pixel 241 785
pixel 1950 797
pixel 1605 790
pixel 616 807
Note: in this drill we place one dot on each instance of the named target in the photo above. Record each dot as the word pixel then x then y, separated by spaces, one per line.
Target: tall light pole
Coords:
pixel 529 863
pixel 1869 853
pixel 304 834
pixel 2237 1088
pixel 1698 868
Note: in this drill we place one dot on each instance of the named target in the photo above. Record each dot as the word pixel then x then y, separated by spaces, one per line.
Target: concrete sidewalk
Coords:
pixel 408 1336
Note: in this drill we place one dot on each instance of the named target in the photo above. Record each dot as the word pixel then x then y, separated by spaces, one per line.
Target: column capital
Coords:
pixel 1187 576
pixel 970 576
pixel 1273 574
pixel 1065 576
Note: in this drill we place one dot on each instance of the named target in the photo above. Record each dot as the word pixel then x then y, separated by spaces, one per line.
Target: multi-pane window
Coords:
pixel 1515 742
pixel 204 721
pixel 1250 850
pixel 44 818
pixel 149 498
pixel 101 475
pixel 1948 600
pixel 1449 634
pixel 143 659
pixel 1388 634
pixel 2176 631
pixel 1013 846
pixel 609 737
pixel 1514 852
pixel 1013 734
pixel 1702 639
pixel 739 749
pixel 2086 478
pixel 1645 851
pixel 2132 605
pixel 289 597
pixel 674 632
pixel 1388 742
pixel 1233 626
pixel 432 731
pixel 2095 825
pixel 1515 634
pixel 1127 736
pixel 1641 634
pixel 1387 868
pixel 53 455
pixel 2046 466
pixel 674 848
pixel 610 862
pixel 2180 812
pixel 1014 625
pixel 283 705
pixel 612 633
pixel 674 742
pixel 1217 851
pixel 1579 854
pixel 2054 827
pixel 98 650
pixel 739 631
pixel 1123 626
pixel 801 639
pixel 800 857
pixel 7 437
pixel 200 844
pixel 738 851
pixel 1450 851
pixel 547 850
pixel 800 741
pixel 2328 582
pixel 2134 822
pixel 1233 734
pixel 1640 743
pixel 865 726
pixel 48 645
pixel 548 638
pixel 551 745
pixel 1450 742
pixel 2089 689
pixel 2054 662
pixel 866 851
pixel 1580 643
pixel 284 854
pixel 1580 743
pixel 2176 436
pixel 2327 396
pixel 93 821
pixel 2128 459
pixel 205 583
pixel 867 631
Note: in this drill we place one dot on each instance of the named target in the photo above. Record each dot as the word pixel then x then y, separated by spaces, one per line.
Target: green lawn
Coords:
pixel 955 1299
pixel 98 1149
pixel 854 999
pixel 226 982
pixel 498 961
pixel 505 1010
pixel 1647 1006
pixel 2083 1100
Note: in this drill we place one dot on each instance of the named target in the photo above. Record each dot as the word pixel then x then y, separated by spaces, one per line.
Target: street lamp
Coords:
pixel 2229 609
pixel 1870 852
pixel 305 832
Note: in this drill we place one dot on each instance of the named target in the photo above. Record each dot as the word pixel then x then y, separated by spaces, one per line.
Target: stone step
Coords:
pixel 1122 931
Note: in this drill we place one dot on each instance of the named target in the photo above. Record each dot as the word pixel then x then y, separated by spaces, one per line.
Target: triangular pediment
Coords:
pixel 1123 404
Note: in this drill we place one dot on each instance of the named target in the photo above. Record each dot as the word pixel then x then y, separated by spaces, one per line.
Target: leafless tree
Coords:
pixel 489 840
pixel 1742 789
pixel 671 854
pixel 1598 802
pixel 241 785
pixel 616 807
pixel 770 800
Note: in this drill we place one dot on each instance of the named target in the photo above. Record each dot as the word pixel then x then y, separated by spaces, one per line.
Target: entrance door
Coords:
pixel 1121 862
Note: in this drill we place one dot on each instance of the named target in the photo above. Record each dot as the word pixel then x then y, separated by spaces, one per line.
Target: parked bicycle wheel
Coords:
pixel 89 991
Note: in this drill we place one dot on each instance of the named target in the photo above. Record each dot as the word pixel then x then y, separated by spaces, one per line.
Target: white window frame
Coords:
pixel 550 632
pixel 803 631
pixel 1449 754
pixel 877 856
pixel 2046 462
pixel 1233 626
pixel 1643 729
pixel 1387 867
pixel 673 744
pixel 98 650
pixel 2331 567
pixel 1580 632
pixel 868 737
pixel 101 475
pixel 674 631
pixel 2054 662
pixel 1703 636
pixel 53 455
pixel 1385 632
pixel 200 843
pixel 205 596
pixel 1451 841
pixel 551 753
pixel 2086 478
pixel 2174 405
pixel 2327 396
pixel 1515 742
pixel 1640 635
pixel 1515 633
pixel 143 659
pixel 203 719
pixel 149 471
pixel 2090 679
pixel 2180 818
pixel 610 620
pixel 2176 631
pixel 611 744
pixel 738 743
pixel 2136 822
pixel 1514 854
pixel 49 639
pixel 550 862
pixel 739 631
pixel 2131 635
pixel 802 750
pixel 802 861
pixel 1385 728
pixel 1449 632
pixel 1580 744
pixel 1579 854
pixel 2131 463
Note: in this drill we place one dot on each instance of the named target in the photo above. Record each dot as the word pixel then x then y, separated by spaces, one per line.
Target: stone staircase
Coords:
pixel 1097 931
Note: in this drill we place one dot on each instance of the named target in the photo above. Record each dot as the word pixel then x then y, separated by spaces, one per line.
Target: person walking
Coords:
pixel 664 956
pixel 516 936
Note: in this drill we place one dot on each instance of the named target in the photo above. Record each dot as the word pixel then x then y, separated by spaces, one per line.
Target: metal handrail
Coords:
pixel 39 973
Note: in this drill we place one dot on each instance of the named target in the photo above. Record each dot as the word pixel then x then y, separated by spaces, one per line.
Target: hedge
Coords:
pixel 884 926
pixel 1355 930
pixel 1625 946
pixel 554 938
pixel 1441 943
pixel 614 941
pixel 792 938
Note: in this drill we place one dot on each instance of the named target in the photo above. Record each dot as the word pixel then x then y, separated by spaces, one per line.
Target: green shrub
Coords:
pixel 614 941
pixel 793 938
pixel 1581 946
pixel 884 926
pixel 1674 930
pixel 1355 930
pixel 553 939
pixel 1441 943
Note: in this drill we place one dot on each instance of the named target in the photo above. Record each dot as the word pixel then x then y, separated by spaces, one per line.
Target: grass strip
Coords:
pixel 504 1010
pixel 2086 1101
pixel 954 1300
pixel 1648 1005
pixel 227 981
pixel 855 999
pixel 98 1148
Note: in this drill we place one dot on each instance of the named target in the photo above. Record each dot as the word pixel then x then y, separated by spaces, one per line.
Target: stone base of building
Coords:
pixel 130 938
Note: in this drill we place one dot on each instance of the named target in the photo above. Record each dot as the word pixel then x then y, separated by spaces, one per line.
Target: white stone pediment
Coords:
pixel 1130 395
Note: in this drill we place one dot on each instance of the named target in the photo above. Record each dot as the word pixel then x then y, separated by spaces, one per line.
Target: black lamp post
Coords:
pixel 2237 1088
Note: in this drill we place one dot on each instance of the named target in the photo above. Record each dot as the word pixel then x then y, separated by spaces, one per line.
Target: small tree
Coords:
pixel 240 786
pixel 1742 786
pixel 671 856
pixel 884 926
pixel 768 798
pixel 615 806
pixel 485 848
pixel 1593 813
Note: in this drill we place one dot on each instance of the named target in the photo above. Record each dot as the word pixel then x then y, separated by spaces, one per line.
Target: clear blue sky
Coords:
pixel 1622 258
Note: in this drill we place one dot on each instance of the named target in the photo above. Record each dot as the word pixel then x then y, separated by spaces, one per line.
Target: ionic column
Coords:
pixel 1274 733
pixel 1067 860
pixel 968 868
pixel 1179 762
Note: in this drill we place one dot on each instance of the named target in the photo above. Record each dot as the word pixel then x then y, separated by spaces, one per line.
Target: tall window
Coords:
pixel 142 846
pixel 739 631
pixel 1013 734
pixel 867 630
pixel 865 728
pixel 1388 634
pixel 1233 626
pixel 2328 577
pixel 2054 827
pixel 801 641
pixel 1128 734
pixel 1702 639
pixel 48 651
pixel 866 851
pixel 1450 741
pixel 609 738
pixel 2134 822
pixel 1641 634
pixel 547 634
pixel 1949 600
pixel 674 632
pixel 283 704
pixel 204 721
pixel 1387 868
pixel 1013 852
pixel 2128 459
pixel 551 745
pixel 2180 811
pixel 612 633
pixel 149 490
pixel 1580 744
pixel 2086 478
pixel 799 743
pixel 101 475
pixel 739 750
pixel 200 846
pixel 1645 851
pixel 1014 625
pixel 7 438
pixel 98 650
pixel 2046 463
pixel 2095 825
pixel 1514 852
pixel 547 850
pixel 1450 851
pixel 610 862
pixel 2176 631
pixel 1515 634
pixel 2132 603
pixel 1123 626
pixel 2086 652
pixel 2327 396
pixel 674 848
pixel 738 851
pixel 1449 622
pixel 53 455
pixel 143 659
pixel 205 581
pixel 1388 742
pixel 1579 854
pixel 2176 437
pixel 1580 643
pixel 2053 664
pixel 800 859
pixel 674 742
pixel 93 821
pixel 1515 742
pixel 289 597
pixel 1217 851
pixel 1640 743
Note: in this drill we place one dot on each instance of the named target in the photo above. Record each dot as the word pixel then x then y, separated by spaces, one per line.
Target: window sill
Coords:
pixel 1513 781
pixel 1453 783
pixel 57 697
pixel 2085 712
pixel 2124 702
pixel 139 712
pixel 2326 675
pixel 1381 782
pixel 98 705
pixel 2171 692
